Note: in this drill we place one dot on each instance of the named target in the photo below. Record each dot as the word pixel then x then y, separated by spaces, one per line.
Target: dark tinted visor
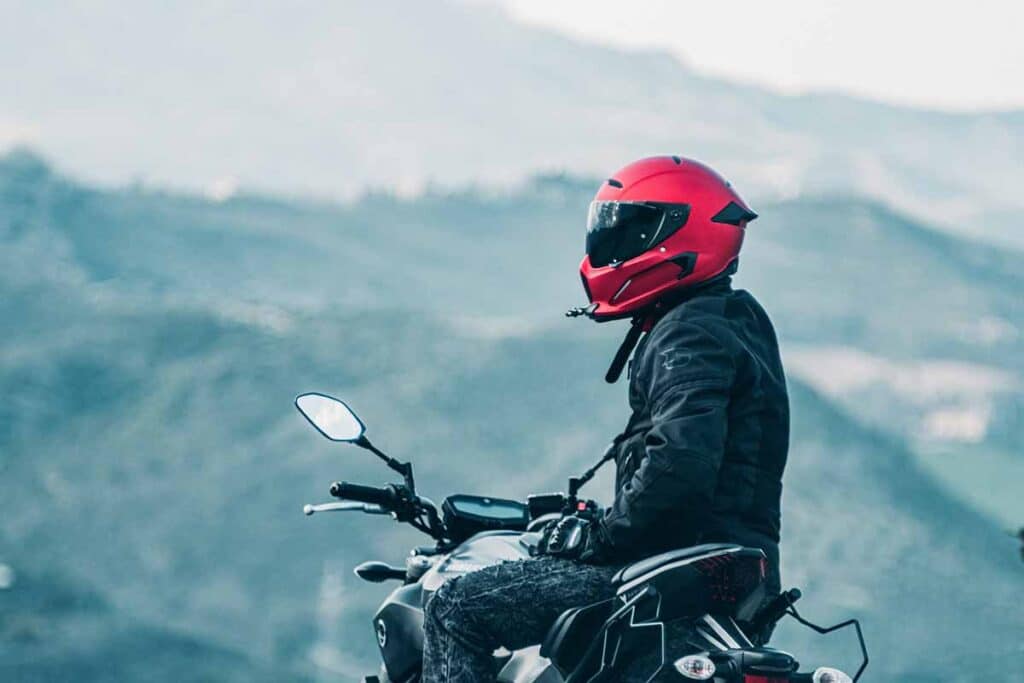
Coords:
pixel 619 231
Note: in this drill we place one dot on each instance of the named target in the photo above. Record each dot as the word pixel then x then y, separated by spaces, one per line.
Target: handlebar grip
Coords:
pixel 363 494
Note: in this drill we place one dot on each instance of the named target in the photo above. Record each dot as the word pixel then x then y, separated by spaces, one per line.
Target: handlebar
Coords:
pixel 397 500
pixel 385 497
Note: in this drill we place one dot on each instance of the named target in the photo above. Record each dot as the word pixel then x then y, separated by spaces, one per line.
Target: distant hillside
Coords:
pixel 150 450
pixel 53 631
pixel 915 316
pixel 332 98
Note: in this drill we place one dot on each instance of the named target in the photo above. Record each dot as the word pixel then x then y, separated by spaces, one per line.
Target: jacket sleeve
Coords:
pixel 687 375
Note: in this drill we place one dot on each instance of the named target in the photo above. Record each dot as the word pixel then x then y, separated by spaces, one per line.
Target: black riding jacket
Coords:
pixel 702 456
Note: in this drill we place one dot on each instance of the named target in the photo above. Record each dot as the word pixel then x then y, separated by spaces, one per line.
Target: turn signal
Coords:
pixel 698 667
pixel 826 675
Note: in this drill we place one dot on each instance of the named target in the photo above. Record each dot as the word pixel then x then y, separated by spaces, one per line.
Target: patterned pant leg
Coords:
pixel 509 605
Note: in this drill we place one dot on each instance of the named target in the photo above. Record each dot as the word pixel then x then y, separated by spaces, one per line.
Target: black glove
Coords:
pixel 568 538
pixel 545 535
pixel 576 538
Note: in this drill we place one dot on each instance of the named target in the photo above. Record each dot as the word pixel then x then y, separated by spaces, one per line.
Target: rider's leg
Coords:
pixel 509 605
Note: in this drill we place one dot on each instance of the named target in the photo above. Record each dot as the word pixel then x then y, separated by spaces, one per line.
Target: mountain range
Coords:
pixel 152 468
pixel 328 100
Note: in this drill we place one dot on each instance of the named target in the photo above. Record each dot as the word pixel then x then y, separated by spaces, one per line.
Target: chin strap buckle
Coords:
pixel 581 310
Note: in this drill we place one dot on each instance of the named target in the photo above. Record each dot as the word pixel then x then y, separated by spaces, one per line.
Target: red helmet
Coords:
pixel 657 225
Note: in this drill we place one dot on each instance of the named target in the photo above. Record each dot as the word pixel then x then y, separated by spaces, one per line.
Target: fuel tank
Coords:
pixel 481 551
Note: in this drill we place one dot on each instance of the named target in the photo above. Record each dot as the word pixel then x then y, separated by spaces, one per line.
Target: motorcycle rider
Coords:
pixel 702 455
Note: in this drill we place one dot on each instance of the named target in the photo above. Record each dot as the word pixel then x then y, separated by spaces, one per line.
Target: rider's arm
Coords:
pixel 687 374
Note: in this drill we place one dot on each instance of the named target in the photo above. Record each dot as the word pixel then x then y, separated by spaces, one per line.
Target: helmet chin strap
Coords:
pixel 636 329
pixel 639 325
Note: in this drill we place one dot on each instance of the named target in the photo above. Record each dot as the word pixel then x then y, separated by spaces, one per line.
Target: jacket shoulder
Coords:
pixel 691 344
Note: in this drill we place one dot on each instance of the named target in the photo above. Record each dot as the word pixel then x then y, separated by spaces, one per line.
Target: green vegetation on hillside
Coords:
pixel 153 469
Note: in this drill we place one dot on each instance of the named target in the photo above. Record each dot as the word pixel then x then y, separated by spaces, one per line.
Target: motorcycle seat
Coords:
pixel 650 565
pixel 715 578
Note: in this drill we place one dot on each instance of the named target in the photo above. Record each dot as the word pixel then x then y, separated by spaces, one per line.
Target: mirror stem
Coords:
pixel 403 468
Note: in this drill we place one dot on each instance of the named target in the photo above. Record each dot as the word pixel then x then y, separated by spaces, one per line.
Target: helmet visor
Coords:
pixel 619 231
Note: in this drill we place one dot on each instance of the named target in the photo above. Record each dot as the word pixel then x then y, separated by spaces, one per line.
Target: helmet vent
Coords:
pixel 734 214
pixel 614 183
pixel 687 262
pixel 676 159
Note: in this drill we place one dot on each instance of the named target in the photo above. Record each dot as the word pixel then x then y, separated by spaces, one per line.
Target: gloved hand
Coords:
pixel 568 537
pixel 545 535
pixel 575 538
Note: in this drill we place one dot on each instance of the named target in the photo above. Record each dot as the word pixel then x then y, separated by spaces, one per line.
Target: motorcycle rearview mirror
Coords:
pixel 335 420
pixel 331 417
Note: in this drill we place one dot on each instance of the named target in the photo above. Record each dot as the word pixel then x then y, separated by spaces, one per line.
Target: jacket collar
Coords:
pixel 718 285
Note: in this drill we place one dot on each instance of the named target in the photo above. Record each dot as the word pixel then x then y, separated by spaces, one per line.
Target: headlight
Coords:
pixel 826 675
pixel 697 667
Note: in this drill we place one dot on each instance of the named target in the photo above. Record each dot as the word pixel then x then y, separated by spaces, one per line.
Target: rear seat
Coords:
pixel 683 556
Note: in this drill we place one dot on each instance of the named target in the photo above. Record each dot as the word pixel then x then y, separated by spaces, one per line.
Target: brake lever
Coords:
pixel 310 510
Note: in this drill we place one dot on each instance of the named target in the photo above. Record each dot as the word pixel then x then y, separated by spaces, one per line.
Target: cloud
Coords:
pixel 17 133
pixel 940 400
pixel 842 370
pixel 968 424
pixel 222 188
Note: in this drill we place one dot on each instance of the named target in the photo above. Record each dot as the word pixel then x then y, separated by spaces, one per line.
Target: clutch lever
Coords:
pixel 369 509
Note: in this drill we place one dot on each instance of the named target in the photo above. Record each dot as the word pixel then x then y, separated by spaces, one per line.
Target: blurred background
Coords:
pixel 209 207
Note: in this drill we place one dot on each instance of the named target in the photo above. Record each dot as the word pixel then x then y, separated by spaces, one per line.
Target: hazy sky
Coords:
pixel 937 54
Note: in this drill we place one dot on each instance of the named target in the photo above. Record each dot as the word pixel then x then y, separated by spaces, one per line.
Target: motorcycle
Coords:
pixel 717 591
